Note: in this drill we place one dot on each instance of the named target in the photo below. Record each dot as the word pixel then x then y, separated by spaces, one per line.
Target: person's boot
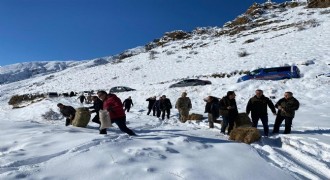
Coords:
pixel 67 122
pixel 103 131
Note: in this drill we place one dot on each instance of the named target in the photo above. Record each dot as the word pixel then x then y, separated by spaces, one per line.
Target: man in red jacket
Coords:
pixel 114 106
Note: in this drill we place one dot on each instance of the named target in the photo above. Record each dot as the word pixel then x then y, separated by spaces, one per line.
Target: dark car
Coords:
pixel 274 73
pixel 120 89
pixel 190 82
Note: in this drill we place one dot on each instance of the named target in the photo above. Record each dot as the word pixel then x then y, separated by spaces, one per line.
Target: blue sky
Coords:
pixel 43 30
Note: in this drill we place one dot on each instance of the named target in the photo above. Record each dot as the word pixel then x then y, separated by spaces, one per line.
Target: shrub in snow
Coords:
pixel 17 99
pixel 51 115
pixel 325 11
pixel 170 52
pixel 249 41
pixel 242 53
pixel 136 68
pixel 152 54
pixel 308 62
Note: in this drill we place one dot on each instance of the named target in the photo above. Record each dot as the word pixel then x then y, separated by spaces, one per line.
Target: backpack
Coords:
pixel 215 106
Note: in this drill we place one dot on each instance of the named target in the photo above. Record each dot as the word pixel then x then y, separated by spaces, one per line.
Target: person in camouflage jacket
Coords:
pixel 183 104
pixel 286 111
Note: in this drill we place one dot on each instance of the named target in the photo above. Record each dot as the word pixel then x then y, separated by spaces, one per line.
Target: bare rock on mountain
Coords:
pixel 318 4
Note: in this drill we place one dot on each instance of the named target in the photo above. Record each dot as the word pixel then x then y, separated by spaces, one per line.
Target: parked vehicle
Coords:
pixel 190 82
pixel 120 89
pixel 274 73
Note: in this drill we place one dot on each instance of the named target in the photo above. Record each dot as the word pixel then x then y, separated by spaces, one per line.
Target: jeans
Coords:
pixel 227 121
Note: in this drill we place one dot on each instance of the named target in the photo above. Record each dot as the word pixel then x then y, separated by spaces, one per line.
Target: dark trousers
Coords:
pixel 153 111
pixel 96 119
pixel 264 120
pixel 278 121
pixel 168 112
pixel 127 109
pixel 226 120
pixel 121 123
pixel 158 112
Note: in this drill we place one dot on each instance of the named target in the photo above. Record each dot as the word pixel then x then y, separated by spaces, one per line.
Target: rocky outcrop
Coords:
pixel 318 4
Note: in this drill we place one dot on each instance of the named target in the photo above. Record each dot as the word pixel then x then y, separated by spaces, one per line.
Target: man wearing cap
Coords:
pixel 183 104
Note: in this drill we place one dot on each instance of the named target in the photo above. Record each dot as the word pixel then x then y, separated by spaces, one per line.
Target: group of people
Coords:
pixel 159 107
pixel 105 101
pixel 215 107
pixel 257 106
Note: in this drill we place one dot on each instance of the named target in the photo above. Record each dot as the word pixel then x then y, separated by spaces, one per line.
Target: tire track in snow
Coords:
pixel 302 159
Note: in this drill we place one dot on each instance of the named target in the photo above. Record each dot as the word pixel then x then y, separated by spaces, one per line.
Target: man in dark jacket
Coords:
pixel 228 110
pixel 286 111
pixel 97 106
pixel 257 105
pixel 68 112
pixel 114 106
pixel 151 103
pixel 128 103
pixel 157 107
pixel 82 98
pixel 212 108
pixel 165 106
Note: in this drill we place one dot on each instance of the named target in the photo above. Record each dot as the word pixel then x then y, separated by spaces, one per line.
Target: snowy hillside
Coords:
pixel 267 35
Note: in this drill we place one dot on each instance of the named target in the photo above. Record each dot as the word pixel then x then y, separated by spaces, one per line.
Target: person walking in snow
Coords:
pixel 67 111
pixel 128 103
pixel 286 111
pixel 183 104
pixel 212 107
pixel 97 106
pixel 114 106
pixel 82 98
pixel 165 106
pixel 257 105
pixel 228 111
pixel 157 107
pixel 151 103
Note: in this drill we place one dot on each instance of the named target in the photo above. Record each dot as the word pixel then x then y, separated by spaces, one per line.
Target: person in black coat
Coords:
pixel 157 107
pixel 82 98
pixel 257 105
pixel 165 106
pixel 228 110
pixel 97 106
pixel 67 111
pixel 286 111
pixel 151 103
pixel 128 103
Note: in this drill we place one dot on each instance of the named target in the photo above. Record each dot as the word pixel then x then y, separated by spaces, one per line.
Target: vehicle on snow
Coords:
pixel 190 82
pixel 121 89
pixel 274 73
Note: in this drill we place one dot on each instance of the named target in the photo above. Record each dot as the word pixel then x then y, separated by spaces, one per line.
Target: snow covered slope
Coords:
pixel 267 35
